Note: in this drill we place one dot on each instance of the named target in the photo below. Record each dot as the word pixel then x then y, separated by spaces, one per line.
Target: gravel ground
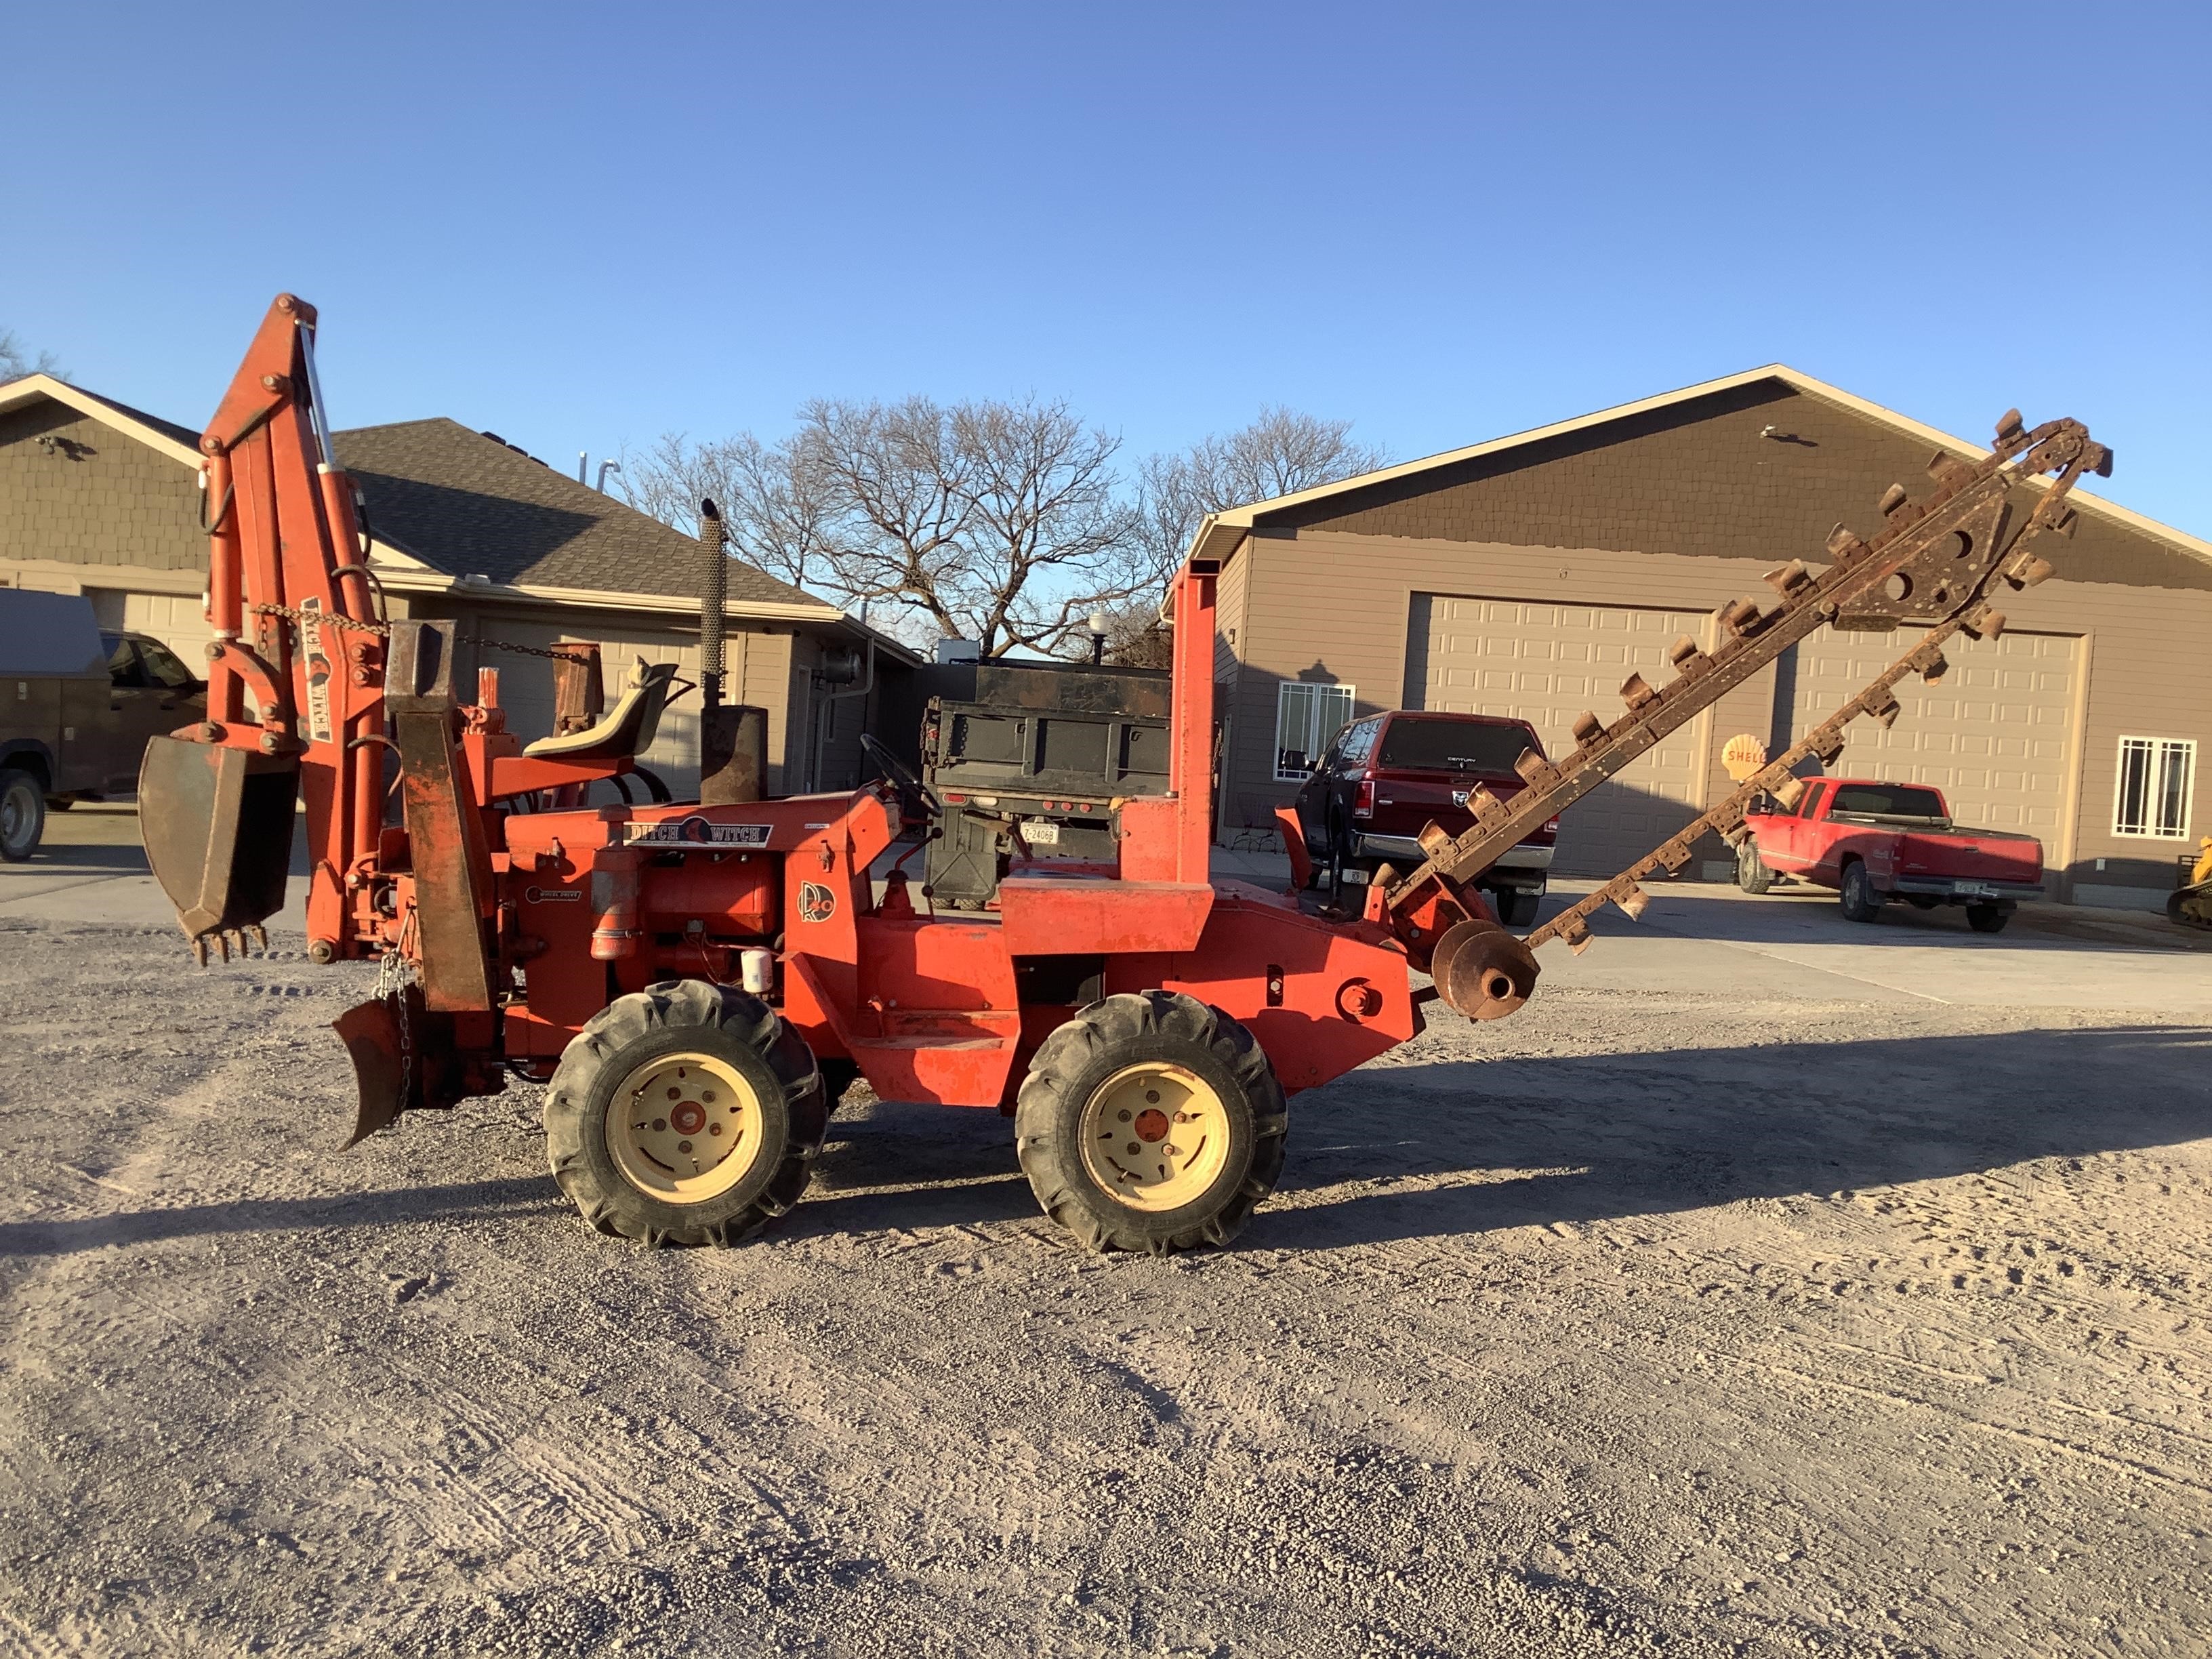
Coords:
pixel 1641 1323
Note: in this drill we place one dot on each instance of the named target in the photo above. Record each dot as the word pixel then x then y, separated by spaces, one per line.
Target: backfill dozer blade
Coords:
pixel 217 824
pixel 403 1060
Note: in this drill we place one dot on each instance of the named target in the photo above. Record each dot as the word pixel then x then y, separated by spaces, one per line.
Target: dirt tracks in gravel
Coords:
pixel 1616 1327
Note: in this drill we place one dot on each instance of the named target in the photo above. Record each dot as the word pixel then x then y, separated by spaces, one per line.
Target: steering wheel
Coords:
pixel 910 787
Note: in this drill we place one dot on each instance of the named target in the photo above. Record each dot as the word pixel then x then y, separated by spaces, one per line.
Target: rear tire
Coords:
pixel 22 814
pixel 1517 906
pixel 753 1078
pixel 1192 1070
pixel 1987 918
pixel 1752 871
pixel 1860 901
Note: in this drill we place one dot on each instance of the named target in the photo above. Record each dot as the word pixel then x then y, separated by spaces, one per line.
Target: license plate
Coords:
pixel 1974 890
pixel 1040 832
pixel 1355 877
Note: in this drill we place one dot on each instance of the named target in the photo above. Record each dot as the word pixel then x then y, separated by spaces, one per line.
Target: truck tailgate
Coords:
pixel 1971 855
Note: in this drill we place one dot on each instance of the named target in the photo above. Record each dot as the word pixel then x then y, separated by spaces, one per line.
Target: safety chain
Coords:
pixel 394 974
pixel 335 619
pixel 557 655
pixel 320 618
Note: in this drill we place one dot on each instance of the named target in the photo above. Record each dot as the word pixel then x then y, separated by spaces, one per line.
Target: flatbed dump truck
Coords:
pixel 691 979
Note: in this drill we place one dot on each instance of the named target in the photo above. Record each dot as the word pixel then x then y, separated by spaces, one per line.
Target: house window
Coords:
pixel 2152 797
pixel 1306 718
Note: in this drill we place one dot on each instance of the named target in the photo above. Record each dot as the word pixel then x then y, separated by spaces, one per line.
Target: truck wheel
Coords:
pixel 685 1114
pixel 1861 903
pixel 1517 906
pixel 1150 1122
pixel 1752 873
pixel 23 815
pixel 1987 918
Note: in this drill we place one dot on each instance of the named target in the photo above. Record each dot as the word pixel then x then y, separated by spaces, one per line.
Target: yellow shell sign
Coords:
pixel 1743 755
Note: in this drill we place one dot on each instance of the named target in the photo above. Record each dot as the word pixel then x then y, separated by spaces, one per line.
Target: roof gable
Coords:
pixel 471 505
pixel 178 443
pixel 1572 466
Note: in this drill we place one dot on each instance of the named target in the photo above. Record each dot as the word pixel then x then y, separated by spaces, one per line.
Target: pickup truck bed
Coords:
pixel 1876 843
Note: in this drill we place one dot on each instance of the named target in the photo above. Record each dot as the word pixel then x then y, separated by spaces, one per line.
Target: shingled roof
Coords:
pixel 468 504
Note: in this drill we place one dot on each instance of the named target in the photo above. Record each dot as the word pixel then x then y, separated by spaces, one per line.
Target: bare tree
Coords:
pixel 1281 453
pixel 775 519
pixel 15 360
pixel 1000 522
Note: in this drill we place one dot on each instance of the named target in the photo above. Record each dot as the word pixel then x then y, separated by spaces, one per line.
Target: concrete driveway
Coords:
pixel 1697 936
pixel 1795 943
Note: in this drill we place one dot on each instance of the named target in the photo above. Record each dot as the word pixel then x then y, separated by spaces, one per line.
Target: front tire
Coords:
pixel 685 1114
pixel 23 815
pixel 1150 1121
pixel 1860 901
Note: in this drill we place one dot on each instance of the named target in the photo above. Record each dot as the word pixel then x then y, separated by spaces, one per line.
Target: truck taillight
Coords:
pixel 1363 804
pixel 1552 827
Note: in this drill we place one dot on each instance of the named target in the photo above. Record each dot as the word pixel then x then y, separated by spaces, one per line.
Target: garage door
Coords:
pixel 1996 735
pixel 1546 664
pixel 177 623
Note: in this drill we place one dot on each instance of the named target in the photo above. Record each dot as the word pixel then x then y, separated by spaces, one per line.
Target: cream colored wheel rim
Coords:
pixel 1155 1135
pixel 684 1128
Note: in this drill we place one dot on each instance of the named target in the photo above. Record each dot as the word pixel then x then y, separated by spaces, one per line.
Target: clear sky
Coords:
pixel 580 225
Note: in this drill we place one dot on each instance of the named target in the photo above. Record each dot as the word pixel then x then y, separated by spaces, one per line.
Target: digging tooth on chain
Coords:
pixel 1789 578
pixel 1739 618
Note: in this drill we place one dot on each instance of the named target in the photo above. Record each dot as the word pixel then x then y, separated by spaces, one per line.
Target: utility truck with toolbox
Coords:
pixel 1879 843
pixel 77 704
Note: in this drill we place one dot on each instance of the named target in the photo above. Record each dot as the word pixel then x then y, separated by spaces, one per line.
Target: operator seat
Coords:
pixel 624 730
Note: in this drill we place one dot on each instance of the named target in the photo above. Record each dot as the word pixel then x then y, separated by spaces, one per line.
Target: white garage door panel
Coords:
pixel 176 621
pixel 1546 664
pixel 1995 734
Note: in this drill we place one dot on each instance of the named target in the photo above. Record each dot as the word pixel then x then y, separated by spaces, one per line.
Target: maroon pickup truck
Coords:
pixel 1387 776
pixel 1876 844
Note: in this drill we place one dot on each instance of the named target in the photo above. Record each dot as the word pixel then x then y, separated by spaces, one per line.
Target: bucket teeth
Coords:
pixel 200 950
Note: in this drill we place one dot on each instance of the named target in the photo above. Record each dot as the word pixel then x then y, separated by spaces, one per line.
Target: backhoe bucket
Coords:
pixel 217 824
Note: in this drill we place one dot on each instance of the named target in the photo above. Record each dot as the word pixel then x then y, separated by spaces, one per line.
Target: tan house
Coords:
pixel 1527 576
pixel 100 498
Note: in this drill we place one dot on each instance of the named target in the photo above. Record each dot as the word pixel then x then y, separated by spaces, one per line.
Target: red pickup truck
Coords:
pixel 1878 842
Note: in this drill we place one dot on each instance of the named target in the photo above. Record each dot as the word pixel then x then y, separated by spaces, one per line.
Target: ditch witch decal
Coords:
pixel 696 831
